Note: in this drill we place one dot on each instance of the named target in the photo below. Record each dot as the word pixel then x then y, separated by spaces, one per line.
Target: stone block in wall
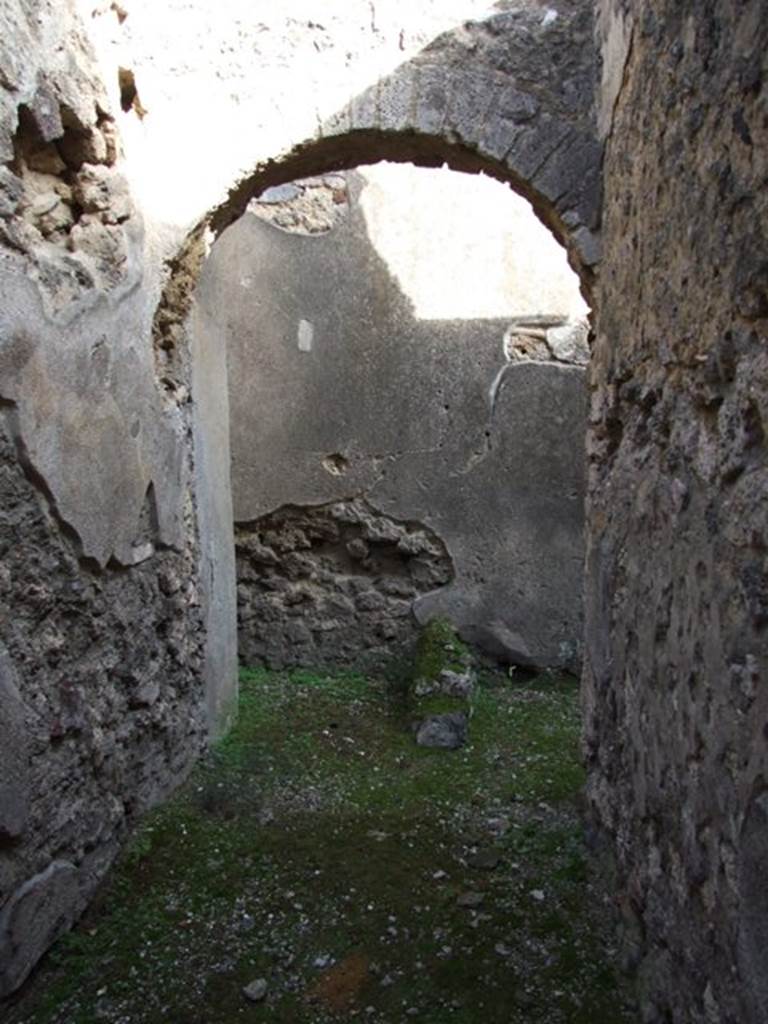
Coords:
pixel 35 915
pixel 14 756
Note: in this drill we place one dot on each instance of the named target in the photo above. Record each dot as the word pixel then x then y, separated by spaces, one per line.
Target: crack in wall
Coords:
pixel 40 485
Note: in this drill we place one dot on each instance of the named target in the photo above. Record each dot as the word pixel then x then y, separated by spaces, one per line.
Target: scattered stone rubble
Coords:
pixel 310 206
pixel 548 339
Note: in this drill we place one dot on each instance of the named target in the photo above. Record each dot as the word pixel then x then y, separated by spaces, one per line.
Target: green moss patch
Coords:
pixel 361 876
pixel 438 648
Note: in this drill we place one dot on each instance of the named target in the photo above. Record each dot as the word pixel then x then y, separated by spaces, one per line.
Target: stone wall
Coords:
pixel 100 710
pixel 337 391
pixel 95 477
pixel 332 585
pixel 118 590
pixel 677 584
pixel 95 472
pixel 102 618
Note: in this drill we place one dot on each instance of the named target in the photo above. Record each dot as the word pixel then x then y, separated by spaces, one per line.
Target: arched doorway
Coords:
pixel 341 149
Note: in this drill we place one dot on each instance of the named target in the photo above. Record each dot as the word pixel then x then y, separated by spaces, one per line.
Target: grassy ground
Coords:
pixel 362 877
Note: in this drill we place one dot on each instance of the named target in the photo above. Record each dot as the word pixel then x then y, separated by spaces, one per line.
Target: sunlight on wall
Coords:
pixel 463 246
pixel 226 84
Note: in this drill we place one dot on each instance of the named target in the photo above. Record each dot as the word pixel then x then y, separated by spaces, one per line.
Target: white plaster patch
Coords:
pixel 615 31
pixel 141 552
pixel 306 336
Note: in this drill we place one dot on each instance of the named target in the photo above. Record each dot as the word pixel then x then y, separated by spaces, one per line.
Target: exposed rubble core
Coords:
pixel 169 325
pixel 332 586
pixel 101 711
pixel 308 207
pixel 547 339
pixel 63 203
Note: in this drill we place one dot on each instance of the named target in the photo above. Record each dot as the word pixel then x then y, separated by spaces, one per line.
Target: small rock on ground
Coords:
pixel 484 860
pixel 470 899
pixel 256 991
pixel 448 731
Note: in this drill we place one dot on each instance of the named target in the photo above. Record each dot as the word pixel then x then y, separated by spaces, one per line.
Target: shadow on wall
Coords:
pixel 443 440
pixel 99 422
pixel 510 95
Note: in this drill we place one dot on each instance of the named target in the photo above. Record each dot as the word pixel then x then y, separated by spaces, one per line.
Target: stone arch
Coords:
pixel 355 146
pixel 511 96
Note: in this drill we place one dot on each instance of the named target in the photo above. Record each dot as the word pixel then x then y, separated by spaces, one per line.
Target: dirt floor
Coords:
pixel 319 866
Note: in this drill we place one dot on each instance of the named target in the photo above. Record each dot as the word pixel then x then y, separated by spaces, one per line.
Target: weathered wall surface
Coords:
pixel 676 600
pixel 677 590
pixel 332 585
pixel 98 452
pixel 101 632
pixel 100 710
pixel 338 392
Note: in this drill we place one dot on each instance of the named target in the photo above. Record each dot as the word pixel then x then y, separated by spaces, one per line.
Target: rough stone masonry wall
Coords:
pixel 92 241
pixel 677 574
pixel 100 709
pixel 101 626
pixel 332 585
